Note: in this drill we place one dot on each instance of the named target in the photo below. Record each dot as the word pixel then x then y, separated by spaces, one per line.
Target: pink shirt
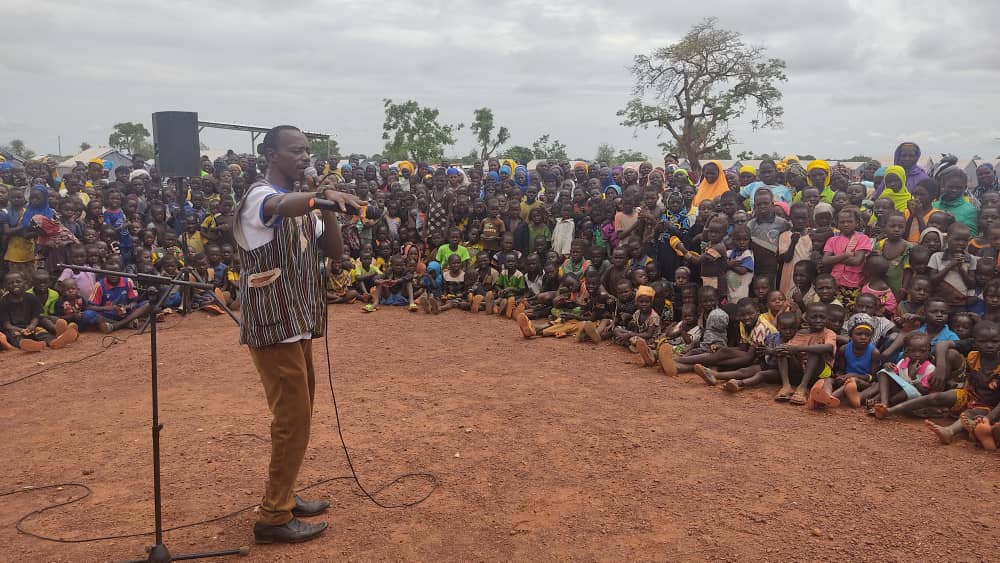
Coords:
pixel 886 298
pixel 848 276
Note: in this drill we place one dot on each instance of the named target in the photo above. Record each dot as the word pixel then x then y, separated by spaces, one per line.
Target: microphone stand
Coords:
pixel 158 552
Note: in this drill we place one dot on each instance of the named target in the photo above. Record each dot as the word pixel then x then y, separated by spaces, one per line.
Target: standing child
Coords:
pixel 492 227
pixel 953 268
pixel 794 245
pixel 510 286
pixel 713 257
pixel 875 270
pixel 896 250
pixel 846 253
pixel 563 232
pixel 740 265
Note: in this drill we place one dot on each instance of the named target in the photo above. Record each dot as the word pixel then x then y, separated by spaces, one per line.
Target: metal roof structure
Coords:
pixel 253 130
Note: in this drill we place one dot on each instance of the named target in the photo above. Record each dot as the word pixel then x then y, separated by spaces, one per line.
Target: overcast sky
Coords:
pixel 862 75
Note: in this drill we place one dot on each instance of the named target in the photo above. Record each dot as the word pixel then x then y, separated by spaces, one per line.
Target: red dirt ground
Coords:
pixel 545 450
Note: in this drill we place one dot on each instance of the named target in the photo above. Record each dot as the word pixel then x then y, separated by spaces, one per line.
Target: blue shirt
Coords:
pixel 781 193
pixel 945 334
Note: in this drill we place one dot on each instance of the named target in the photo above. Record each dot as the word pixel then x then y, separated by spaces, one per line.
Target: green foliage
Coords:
pixel 413 132
pixel 625 155
pixel 323 148
pixel 17 147
pixel 520 155
pixel 130 138
pixel 84 146
pixel 482 127
pixel 750 155
pixel 544 148
pixel 605 153
pixel 695 87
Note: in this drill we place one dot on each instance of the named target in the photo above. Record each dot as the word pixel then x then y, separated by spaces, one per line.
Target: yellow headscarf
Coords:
pixel 581 165
pixel 899 198
pixel 406 164
pixel 748 168
pixel 713 190
pixel 645 291
pixel 826 194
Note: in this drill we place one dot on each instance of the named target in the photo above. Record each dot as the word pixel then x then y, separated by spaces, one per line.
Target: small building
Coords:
pixel 103 153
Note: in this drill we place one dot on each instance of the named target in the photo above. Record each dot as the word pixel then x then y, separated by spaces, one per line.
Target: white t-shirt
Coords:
pixel 257 232
pixel 954 276
pixel 252 226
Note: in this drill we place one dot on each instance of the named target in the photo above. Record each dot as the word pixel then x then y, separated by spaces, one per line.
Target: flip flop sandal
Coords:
pixel 797 398
pixel 733 386
pixel 783 396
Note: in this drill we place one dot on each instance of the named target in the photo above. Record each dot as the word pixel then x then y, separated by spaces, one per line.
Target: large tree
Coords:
pixel 130 138
pixel 544 148
pixel 521 155
pixel 482 127
pixel 17 147
pixel 695 87
pixel 413 132
pixel 324 148
pixel 605 153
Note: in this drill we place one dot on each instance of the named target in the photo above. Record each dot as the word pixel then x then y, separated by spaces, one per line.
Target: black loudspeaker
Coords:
pixel 175 142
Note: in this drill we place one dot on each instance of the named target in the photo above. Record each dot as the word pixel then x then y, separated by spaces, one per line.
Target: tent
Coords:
pixel 103 153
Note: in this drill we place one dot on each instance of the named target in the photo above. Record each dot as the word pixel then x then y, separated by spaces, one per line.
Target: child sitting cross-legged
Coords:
pixel 856 363
pixel 641 328
pixel 787 325
pixel 396 288
pixel 756 334
pixel 70 306
pixel 714 323
pixel 978 399
pixel 742 355
pixel 483 279
pixel 809 354
pixel 114 302
pixel 565 318
pixel 596 304
pixel 340 281
pixel 20 314
pixel 910 377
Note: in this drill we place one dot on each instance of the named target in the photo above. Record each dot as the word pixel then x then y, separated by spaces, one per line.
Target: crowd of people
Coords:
pixel 874 289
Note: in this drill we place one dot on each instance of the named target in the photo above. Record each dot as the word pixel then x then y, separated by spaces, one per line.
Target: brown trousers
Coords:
pixel 286 371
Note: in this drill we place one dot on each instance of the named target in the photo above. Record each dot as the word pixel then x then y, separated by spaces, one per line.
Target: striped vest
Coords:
pixel 280 282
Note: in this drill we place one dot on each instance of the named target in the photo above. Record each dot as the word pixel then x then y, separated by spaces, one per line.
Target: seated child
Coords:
pixel 814 347
pixel 114 302
pixel 910 377
pixel 453 287
pixel 856 363
pixel 71 305
pixel 20 314
pixel 40 288
pixel 743 355
pixel 917 293
pixel 366 274
pixel 952 268
pixel 340 281
pixel 432 283
pixel 642 328
pixel 565 316
pixel 482 280
pixel 787 325
pixel 396 288
pixel 715 324
pixel 595 309
pixel 978 398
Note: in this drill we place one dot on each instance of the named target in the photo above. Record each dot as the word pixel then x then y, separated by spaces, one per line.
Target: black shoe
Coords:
pixel 295 531
pixel 306 508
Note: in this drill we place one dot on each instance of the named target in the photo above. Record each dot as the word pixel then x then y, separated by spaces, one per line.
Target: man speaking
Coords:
pixel 283 309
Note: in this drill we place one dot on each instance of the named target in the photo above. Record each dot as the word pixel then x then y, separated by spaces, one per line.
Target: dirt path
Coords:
pixel 544 450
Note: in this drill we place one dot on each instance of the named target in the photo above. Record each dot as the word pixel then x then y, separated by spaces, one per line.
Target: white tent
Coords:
pixel 103 153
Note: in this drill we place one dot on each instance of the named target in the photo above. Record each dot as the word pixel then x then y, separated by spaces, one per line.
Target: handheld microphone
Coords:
pixel 326 205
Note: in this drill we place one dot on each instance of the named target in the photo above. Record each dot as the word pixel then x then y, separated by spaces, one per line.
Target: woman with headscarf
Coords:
pixel 906 155
pixel 986 181
pixel 818 172
pixel 522 179
pixel 895 187
pixel 713 183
